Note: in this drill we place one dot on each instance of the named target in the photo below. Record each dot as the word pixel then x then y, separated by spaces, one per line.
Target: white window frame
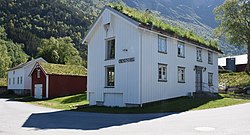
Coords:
pixel 162 44
pixel 181 47
pixel 181 74
pixel 38 73
pixel 162 72
pixel 210 57
pixel 108 48
pixel 210 79
pixel 107 77
pixel 199 54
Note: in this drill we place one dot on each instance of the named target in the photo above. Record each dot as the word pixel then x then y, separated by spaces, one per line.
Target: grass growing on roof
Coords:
pixel 150 18
pixel 64 69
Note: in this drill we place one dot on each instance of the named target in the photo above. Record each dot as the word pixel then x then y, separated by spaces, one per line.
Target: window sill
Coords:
pixel 181 82
pixel 210 63
pixel 162 52
pixel 109 59
pixel 162 80
pixel 180 56
pixel 109 87
pixel 210 85
pixel 199 60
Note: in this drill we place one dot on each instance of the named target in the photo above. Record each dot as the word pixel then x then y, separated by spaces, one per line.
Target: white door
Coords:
pixel 38 91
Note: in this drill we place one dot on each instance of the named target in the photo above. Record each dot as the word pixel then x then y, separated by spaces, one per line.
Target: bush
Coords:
pixel 225 71
pixel 7 93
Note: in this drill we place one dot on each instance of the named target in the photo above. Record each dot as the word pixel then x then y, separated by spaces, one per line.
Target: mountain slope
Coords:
pixel 191 11
pixel 28 21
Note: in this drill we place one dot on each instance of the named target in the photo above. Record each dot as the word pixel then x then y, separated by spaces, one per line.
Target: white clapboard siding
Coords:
pixel 137 82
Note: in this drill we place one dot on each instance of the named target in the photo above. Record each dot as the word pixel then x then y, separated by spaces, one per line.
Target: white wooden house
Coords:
pixel 129 64
pixel 18 77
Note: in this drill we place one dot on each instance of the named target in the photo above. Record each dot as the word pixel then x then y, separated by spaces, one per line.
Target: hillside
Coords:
pixel 28 22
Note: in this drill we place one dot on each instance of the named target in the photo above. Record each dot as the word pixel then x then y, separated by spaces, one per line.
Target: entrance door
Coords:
pixel 38 91
pixel 198 79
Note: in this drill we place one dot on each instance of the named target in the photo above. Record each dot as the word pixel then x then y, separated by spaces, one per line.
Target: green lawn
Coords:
pixel 79 103
pixel 241 79
pixel 177 105
pixel 64 103
pixel 3 82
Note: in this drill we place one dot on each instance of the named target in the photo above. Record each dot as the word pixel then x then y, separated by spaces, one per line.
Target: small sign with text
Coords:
pixel 127 60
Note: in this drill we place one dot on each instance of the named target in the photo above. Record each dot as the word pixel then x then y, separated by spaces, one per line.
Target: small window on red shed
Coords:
pixel 38 73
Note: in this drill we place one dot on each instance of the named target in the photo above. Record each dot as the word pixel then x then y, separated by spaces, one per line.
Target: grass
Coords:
pixel 64 69
pixel 63 103
pixel 177 105
pixel 241 79
pixel 79 103
pixel 3 82
pixel 150 18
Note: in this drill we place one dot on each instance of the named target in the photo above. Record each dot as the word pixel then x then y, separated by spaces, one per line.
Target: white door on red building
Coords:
pixel 38 91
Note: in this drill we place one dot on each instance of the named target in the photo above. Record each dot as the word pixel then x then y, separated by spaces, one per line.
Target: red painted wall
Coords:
pixel 62 85
pixel 41 80
pixel 240 68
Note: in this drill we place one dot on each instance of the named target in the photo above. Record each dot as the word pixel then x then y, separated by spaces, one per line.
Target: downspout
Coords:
pixel 47 86
pixel 140 68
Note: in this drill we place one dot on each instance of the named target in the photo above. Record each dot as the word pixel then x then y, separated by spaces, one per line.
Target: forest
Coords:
pixel 52 29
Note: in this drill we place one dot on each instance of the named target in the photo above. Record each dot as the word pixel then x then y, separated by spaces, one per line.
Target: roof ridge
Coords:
pixel 168 30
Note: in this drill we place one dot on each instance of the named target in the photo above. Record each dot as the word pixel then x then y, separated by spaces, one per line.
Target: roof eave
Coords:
pixel 167 34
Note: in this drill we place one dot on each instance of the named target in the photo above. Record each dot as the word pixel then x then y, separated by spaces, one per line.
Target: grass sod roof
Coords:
pixel 60 69
pixel 149 20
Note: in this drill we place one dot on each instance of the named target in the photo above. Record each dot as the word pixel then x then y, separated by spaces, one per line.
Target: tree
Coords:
pixel 5 61
pixel 60 50
pixel 234 17
pixel 16 53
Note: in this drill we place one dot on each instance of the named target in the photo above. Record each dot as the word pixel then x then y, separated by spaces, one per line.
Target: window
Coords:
pixel 210 79
pixel 21 80
pixel 162 72
pixel 198 54
pixel 210 57
pixel 13 80
pixel 17 80
pixel 9 80
pixel 13 72
pixel 106 27
pixel 38 73
pixel 162 44
pixel 181 74
pixel 110 49
pixel 180 49
pixel 110 76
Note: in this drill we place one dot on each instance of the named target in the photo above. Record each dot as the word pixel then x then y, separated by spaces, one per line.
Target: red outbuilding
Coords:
pixel 55 80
